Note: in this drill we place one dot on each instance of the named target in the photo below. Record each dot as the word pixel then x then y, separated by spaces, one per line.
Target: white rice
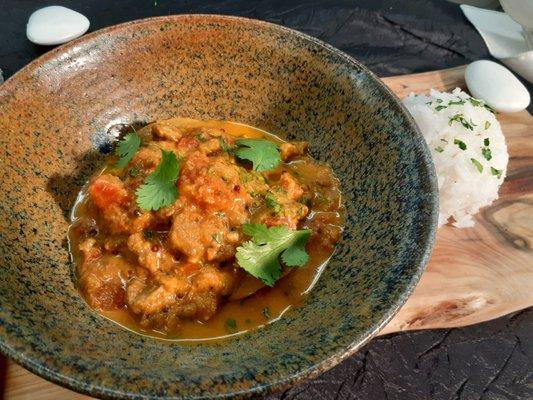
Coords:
pixel 468 179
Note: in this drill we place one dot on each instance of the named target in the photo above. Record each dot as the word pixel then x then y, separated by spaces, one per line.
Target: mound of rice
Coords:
pixel 468 149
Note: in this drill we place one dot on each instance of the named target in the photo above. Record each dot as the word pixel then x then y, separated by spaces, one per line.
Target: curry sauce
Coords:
pixel 172 272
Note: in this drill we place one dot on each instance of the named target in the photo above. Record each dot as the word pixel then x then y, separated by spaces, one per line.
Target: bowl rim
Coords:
pixel 40 369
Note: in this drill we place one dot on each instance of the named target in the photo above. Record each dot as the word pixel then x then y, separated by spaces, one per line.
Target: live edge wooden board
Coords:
pixel 474 274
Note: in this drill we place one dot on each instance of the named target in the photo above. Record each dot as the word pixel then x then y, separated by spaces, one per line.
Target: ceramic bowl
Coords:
pixel 55 116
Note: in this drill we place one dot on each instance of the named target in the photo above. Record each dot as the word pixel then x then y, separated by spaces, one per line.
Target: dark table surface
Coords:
pixel 493 360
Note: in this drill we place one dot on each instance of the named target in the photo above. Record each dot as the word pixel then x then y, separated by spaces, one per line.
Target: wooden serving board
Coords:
pixel 474 274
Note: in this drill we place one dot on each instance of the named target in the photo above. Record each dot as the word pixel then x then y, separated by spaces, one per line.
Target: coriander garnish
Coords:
pixel 263 154
pixel 223 145
pixel 148 234
pixel 480 103
pixel 230 325
pixel 439 149
pixel 487 154
pixel 134 172
pixel 440 107
pixel 272 203
pixel 496 172
pixel 460 143
pixel 477 164
pixel 126 148
pixel 486 141
pixel 260 256
pixel 459 102
pixel 159 188
pixel 487 125
pixel 200 137
pixel 461 119
pixel 266 312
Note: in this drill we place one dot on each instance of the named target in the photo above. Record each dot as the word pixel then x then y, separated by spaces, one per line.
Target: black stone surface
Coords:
pixel 493 360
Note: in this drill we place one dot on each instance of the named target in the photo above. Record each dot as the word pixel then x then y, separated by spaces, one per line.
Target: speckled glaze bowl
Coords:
pixel 54 119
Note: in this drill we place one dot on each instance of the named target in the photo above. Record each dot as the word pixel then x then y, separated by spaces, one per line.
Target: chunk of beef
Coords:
pixel 202 237
pixel 151 255
pixel 291 150
pixel 102 277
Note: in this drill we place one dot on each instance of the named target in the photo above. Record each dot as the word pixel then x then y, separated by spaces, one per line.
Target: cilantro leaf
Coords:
pixel 263 154
pixel 296 256
pixel 159 189
pixel 496 172
pixel 487 154
pixel 260 257
pixel 460 143
pixel 223 145
pixel 231 325
pixel 272 203
pixel 458 102
pixel 126 148
pixel 462 120
pixel 477 164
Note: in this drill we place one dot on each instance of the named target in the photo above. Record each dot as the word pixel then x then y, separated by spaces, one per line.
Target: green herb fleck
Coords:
pixel 487 154
pixel 305 200
pixel 459 102
pixel 429 103
pixel 216 238
pixel 266 312
pixel 487 125
pixel 496 172
pixel 489 108
pixel 460 143
pixel 477 164
pixel 200 137
pixel 148 234
pixel 159 189
pixel 444 140
pixel 480 103
pixel 461 119
pixel 230 325
pixel 439 100
pixel 439 149
pixel 272 203
pixel 260 256
pixel 223 145
pixel 126 148
pixel 134 172
pixel 486 141
pixel 440 108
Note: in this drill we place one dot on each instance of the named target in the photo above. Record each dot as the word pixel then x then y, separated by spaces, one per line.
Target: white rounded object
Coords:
pixel 497 86
pixel 55 25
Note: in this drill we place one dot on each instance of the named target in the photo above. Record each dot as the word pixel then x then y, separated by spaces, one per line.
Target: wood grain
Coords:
pixel 474 274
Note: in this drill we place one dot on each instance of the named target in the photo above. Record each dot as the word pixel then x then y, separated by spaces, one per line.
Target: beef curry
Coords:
pixel 199 229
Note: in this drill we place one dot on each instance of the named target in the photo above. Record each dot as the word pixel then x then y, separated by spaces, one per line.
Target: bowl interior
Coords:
pixel 54 119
